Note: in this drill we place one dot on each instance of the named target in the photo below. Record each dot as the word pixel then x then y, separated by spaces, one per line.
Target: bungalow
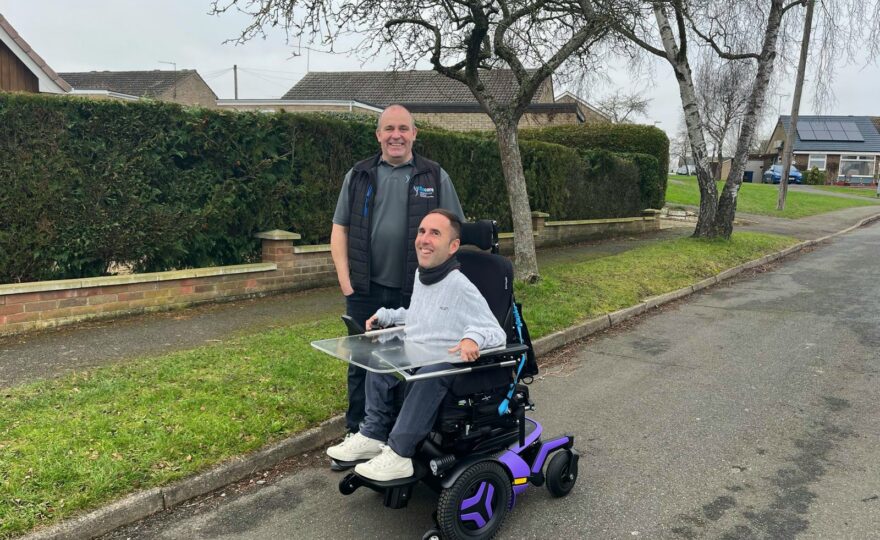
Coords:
pixel 183 86
pixel 22 69
pixel 845 148
pixel 431 97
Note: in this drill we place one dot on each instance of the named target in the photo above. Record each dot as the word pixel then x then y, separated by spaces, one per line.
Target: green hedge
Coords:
pixel 629 139
pixel 88 184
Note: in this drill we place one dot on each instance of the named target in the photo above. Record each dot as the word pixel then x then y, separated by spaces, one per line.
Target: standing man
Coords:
pixel 382 201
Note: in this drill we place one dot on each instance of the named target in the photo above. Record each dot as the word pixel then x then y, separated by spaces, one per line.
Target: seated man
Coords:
pixel 446 310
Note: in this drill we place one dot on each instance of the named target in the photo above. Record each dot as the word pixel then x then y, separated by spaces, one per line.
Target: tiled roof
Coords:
pixel 37 59
pixel 865 124
pixel 133 83
pixel 382 88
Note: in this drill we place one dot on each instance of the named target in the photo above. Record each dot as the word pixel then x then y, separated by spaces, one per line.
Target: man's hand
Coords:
pixel 468 349
pixel 370 322
pixel 347 289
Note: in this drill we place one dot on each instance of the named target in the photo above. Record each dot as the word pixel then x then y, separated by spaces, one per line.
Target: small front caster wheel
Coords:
pixel 432 534
pixel 562 473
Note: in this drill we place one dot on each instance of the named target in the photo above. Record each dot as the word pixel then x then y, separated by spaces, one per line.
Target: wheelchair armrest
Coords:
pixel 509 356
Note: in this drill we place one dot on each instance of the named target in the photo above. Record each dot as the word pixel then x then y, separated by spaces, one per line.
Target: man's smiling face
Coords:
pixel 396 134
pixel 436 241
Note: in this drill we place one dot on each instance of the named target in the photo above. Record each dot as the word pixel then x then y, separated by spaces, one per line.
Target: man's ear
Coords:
pixel 454 245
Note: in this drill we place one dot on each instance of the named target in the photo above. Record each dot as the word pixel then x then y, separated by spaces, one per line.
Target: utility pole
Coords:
pixel 235 77
pixel 795 106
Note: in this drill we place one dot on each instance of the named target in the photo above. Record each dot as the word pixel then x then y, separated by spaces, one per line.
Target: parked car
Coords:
pixel 773 175
pixel 688 170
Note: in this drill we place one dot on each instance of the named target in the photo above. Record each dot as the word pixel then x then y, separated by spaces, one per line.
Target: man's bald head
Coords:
pixel 396 133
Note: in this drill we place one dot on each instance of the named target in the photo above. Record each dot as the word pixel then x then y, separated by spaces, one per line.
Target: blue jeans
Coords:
pixel 360 307
pixel 417 416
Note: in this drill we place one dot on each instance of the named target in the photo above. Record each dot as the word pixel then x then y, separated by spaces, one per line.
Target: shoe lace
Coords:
pixel 385 459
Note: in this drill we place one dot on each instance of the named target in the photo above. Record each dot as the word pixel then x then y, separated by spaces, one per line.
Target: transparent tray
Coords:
pixel 386 351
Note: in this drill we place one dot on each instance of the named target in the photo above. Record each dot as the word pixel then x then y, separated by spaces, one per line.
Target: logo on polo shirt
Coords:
pixel 424 192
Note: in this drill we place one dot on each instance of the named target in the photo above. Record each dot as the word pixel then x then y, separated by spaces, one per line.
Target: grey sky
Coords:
pixel 136 34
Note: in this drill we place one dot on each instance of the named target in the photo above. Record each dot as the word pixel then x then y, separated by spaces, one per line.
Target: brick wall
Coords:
pixel 479 121
pixel 191 91
pixel 284 267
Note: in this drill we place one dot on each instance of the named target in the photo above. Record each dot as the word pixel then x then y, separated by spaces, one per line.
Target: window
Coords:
pixel 851 166
pixel 816 160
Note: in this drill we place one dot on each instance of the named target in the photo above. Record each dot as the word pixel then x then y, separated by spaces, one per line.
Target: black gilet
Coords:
pixel 362 194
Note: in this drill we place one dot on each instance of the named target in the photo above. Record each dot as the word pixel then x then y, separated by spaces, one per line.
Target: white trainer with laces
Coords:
pixel 355 447
pixel 386 466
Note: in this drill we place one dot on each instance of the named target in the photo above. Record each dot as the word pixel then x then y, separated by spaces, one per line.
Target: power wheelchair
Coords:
pixel 483 451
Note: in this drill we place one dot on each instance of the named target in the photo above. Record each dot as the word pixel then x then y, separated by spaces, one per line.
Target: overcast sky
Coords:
pixel 88 35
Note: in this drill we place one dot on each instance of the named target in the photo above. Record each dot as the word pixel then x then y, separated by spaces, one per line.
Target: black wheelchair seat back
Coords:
pixel 469 419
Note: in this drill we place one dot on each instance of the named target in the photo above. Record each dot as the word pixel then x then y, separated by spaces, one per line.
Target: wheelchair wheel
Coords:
pixel 562 472
pixel 476 504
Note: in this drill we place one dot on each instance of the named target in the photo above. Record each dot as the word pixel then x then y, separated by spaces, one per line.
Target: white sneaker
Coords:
pixel 386 466
pixel 355 447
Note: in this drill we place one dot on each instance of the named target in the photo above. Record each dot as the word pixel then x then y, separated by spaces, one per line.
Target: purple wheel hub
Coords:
pixel 478 509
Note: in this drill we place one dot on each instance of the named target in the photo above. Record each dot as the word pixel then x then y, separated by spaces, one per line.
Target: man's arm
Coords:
pixel 339 238
pixel 482 330
pixel 339 252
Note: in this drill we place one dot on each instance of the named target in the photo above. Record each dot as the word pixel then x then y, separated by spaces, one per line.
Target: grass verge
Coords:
pixel 870 193
pixel 76 443
pixel 761 199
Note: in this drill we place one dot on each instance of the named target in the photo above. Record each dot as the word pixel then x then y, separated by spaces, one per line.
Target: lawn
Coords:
pixel 761 199
pixel 75 443
pixel 861 192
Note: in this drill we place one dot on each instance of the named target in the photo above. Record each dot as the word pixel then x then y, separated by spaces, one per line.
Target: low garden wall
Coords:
pixel 284 268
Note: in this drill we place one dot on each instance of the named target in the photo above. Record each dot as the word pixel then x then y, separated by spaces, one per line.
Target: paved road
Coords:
pixel 748 411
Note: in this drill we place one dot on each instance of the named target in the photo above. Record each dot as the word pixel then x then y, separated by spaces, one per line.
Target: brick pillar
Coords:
pixel 278 247
pixel 538 219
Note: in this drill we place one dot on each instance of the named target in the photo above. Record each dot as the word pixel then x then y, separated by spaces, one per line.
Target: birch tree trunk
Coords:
pixel 526 262
pixel 722 225
pixel 795 107
pixel 678 60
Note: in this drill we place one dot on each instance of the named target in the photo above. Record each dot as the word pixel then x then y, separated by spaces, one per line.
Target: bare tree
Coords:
pixel 461 38
pixel 716 24
pixel 723 89
pixel 622 107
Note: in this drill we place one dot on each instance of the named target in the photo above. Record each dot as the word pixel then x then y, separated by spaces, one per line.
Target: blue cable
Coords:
pixel 504 407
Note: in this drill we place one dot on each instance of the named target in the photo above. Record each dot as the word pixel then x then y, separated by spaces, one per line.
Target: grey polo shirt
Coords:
pixel 389 222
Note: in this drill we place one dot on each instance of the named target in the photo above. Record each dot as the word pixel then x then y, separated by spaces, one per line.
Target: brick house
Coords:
pixel 183 86
pixel 845 148
pixel 431 97
pixel 22 69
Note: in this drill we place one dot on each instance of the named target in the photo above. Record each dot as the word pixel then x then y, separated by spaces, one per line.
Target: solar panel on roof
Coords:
pixel 852 132
pixel 839 136
pixel 833 126
pixel 805 133
pixel 822 134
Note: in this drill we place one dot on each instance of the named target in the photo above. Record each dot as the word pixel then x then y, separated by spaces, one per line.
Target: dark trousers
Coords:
pixel 360 307
pixel 416 418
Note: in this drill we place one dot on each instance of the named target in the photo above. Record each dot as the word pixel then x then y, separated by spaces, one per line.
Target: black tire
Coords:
pixel 487 485
pixel 561 475
pixel 432 534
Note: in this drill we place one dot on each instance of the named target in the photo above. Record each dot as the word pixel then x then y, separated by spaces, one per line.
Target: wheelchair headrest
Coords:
pixel 482 233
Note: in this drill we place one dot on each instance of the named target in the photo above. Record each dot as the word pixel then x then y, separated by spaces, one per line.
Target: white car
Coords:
pixel 688 170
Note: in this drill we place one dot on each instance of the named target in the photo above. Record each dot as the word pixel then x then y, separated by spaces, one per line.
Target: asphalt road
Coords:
pixel 747 411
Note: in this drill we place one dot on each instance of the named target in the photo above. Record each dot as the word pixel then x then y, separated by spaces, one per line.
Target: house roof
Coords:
pixel 383 88
pixel 575 97
pixel 49 80
pixel 865 125
pixel 133 83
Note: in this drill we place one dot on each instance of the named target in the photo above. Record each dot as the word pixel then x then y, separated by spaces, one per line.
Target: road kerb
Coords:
pixel 122 512
pixel 143 504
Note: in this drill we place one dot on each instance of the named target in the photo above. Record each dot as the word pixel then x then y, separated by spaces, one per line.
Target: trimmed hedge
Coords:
pixel 85 185
pixel 629 139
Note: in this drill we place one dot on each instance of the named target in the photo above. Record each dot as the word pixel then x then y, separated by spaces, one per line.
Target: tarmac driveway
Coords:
pixel 748 411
